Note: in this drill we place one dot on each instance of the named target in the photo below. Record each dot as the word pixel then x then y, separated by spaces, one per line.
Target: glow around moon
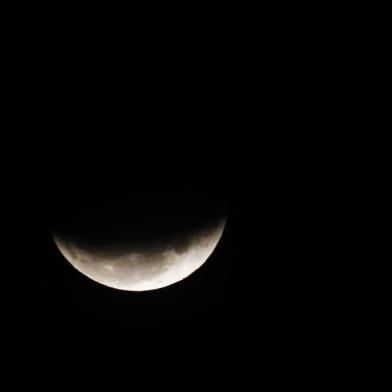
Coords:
pixel 142 269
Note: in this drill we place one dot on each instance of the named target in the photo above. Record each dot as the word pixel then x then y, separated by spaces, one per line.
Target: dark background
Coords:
pixel 82 132
pixel 246 294
pixel 260 104
pixel 265 107
pixel 218 304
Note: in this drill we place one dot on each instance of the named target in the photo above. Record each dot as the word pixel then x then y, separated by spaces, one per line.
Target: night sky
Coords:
pixel 210 305
pixel 237 124
pixel 240 291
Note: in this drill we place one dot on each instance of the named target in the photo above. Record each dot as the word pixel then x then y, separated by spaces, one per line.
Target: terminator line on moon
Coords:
pixel 146 269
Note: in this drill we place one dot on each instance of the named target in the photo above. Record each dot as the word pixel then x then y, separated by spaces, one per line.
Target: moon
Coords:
pixel 145 268
pixel 142 232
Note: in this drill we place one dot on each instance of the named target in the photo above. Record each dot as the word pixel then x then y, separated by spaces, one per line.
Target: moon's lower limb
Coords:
pixel 143 269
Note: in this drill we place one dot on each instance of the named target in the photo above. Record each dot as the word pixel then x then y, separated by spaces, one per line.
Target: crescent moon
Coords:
pixel 143 269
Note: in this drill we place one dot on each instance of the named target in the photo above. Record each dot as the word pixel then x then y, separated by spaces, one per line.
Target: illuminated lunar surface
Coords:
pixel 144 269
